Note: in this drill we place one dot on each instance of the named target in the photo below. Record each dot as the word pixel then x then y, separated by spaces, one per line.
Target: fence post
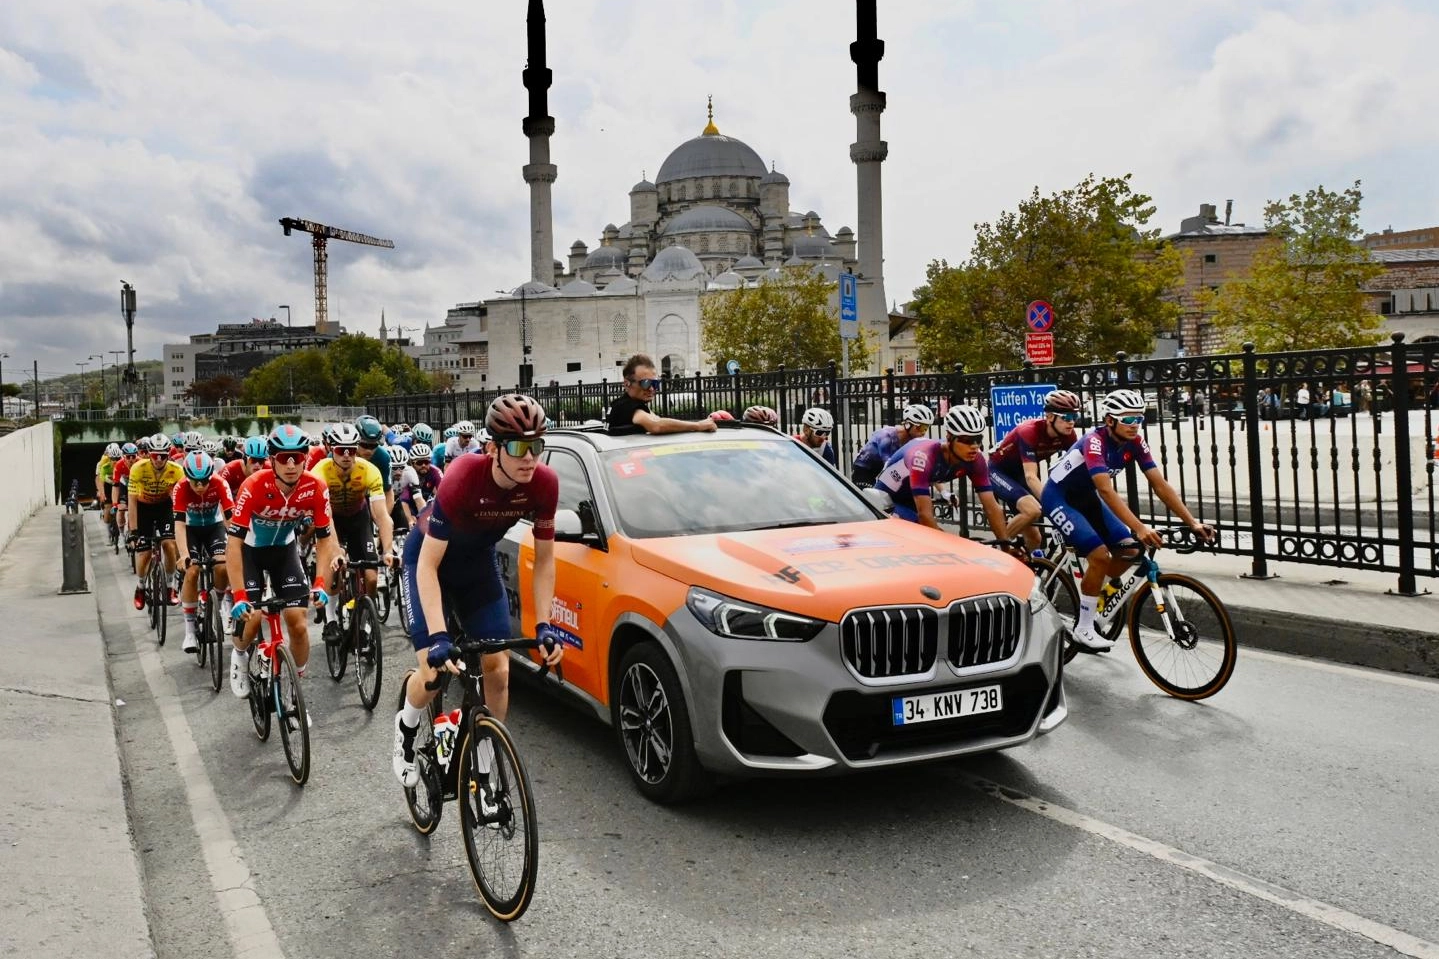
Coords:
pixel 1131 472
pixel 889 415
pixel 957 392
pixel 665 393
pixel 738 410
pixel 1399 364
pixel 1259 568
pixel 783 403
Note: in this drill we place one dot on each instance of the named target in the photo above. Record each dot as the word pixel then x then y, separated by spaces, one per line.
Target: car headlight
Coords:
pixel 730 617
pixel 1038 600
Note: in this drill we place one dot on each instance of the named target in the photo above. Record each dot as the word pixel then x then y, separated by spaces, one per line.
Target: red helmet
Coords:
pixel 718 415
pixel 761 414
pixel 515 416
pixel 1061 401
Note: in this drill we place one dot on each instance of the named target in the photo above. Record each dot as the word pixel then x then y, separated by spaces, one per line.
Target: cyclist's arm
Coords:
pixel 1032 479
pixel 381 515
pixel 1111 498
pixel 542 584
pixel 133 513
pixel 924 509
pixel 327 554
pixel 182 543
pixel 427 576
pixel 1170 498
pixel 234 556
pixel 994 513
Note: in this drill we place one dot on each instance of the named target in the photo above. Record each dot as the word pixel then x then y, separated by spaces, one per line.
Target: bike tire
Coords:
pixel 426 800
pixel 162 602
pixel 404 606
pixel 1063 593
pixel 1182 667
pixel 261 702
pixel 291 717
pixel 202 631
pixel 218 658
pixel 506 889
pixel 384 589
pixel 369 653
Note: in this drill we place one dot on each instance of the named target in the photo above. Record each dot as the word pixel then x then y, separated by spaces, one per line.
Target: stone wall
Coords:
pixel 29 456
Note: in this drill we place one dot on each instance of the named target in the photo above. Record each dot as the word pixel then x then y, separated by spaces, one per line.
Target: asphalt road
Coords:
pixel 1291 815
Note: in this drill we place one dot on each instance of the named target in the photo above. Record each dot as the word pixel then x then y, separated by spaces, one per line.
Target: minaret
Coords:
pixel 539 172
pixel 383 337
pixel 868 152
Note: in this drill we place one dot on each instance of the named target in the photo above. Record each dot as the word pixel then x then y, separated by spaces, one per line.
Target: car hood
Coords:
pixel 822 571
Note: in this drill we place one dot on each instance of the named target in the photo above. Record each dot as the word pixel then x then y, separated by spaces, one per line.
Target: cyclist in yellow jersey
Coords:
pixel 104 470
pixel 357 502
pixel 150 483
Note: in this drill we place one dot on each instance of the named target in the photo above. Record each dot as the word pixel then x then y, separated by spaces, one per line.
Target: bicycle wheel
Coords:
pixel 202 631
pixel 497 819
pixel 427 799
pixel 337 653
pixel 261 702
pixel 403 604
pixel 369 652
pixel 1188 649
pixel 162 601
pixel 1062 591
pixel 384 595
pixel 218 659
pixel 291 717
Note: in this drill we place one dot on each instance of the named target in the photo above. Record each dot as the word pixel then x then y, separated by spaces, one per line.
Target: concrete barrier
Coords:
pixel 29 458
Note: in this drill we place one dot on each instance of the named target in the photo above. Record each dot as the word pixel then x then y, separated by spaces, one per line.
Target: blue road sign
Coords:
pixel 732 367
pixel 1039 315
pixel 1014 403
pixel 848 306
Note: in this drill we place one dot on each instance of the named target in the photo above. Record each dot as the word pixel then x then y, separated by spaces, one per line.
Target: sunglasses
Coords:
pixel 342 451
pixel 200 482
pixel 823 434
pixel 287 459
pixel 518 448
pixel 255 461
pixel 369 446
pixel 648 384
pixel 1135 420
pixel 1067 417
pixel 968 439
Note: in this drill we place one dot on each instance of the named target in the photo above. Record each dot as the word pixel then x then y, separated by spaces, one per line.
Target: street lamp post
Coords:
pixel 81 401
pixel 116 363
pixel 526 370
pixel 286 308
pixel 101 369
pixel 3 357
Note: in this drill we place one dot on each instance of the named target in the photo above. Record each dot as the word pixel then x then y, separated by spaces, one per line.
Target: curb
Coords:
pixel 1356 643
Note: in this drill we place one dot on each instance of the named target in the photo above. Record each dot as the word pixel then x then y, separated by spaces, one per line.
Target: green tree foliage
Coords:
pixel 374 382
pixel 1086 250
pixel 336 374
pixel 302 376
pixel 215 391
pixel 792 321
pixel 1305 291
pixel 10 389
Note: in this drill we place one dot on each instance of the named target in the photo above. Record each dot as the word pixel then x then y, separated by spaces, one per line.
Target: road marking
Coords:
pixel 251 935
pixel 1343 669
pixel 1323 912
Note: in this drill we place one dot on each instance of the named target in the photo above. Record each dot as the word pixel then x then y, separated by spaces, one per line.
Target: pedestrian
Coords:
pixel 1301 401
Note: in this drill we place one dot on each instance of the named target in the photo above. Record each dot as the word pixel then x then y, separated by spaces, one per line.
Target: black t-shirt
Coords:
pixel 622 411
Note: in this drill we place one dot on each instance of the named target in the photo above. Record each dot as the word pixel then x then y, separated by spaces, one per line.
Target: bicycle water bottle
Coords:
pixel 447 726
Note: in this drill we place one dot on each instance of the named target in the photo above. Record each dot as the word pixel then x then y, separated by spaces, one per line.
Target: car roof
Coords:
pixel 604 438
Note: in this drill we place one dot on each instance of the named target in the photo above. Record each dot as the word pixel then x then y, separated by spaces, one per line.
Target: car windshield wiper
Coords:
pixel 799 522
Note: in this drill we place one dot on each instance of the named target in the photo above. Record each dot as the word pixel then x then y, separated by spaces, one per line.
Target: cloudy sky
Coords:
pixel 159 141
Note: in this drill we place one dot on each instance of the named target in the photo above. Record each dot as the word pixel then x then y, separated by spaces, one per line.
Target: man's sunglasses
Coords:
pixel 342 451
pixel 255 460
pixel 968 439
pixel 822 434
pixel 287 459
pixel 1136 419
pixel 648 384
pixel 1067 417
pixel 369 446
pixel 518 448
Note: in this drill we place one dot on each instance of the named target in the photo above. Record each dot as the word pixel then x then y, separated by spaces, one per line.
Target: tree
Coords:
pixel 333 375
pixel 1305 291
pixel 374 382
pixel 302 376
pixel 216 391
pixel 1085 250
pixel 790 321
pixel 11 389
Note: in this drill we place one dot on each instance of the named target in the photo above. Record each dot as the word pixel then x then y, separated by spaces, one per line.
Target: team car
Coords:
pixel 734 608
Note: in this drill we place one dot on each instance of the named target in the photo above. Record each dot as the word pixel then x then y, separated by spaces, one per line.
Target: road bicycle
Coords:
pixel 157 590
pixel 359 628
pixel 387 590
pixel 1179 630
pixel 483 772
pixel 209 624
pixel 112 529
pixel 275 691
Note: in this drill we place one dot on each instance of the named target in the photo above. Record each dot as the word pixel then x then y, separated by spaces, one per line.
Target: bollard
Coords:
pixel 72 549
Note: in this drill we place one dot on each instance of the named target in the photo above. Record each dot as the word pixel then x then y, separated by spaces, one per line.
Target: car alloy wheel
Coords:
pixel 653 725
pixel 645 723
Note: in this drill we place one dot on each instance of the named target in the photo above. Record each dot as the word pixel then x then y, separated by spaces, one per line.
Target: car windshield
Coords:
pixel 721 486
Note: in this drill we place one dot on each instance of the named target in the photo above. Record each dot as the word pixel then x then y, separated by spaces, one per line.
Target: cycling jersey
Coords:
pixel 120 475
pixel 350 493
pixel 452 449
pixel 177 454
pixel 919 464
pixel 106 469
pixel 314 457
pixel 882 445
pixel 411 483
pixel 826 452
pixel 379 458
pixel 152 485
pixel 233 474
pixel 1029 442
pixel 205 508
pixel 265 516
pixel 1098 451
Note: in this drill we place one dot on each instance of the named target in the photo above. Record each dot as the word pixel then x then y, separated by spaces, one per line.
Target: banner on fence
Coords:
pixel 1014 403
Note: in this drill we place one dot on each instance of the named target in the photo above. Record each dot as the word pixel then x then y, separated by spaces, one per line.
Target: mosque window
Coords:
pixel 572 330
pixel 704 244
pixel 621 329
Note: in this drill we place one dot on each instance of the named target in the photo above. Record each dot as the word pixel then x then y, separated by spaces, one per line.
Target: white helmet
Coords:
pixel 344 434
pixel 1123 402
pixel 964 421
pixel 398 456
pixel 420 451
pixel 917 414
pixel 113 451
pixel 210 446
pixel 818 419
pixel 465 427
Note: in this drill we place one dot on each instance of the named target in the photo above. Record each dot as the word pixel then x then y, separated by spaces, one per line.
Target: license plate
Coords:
pixel 909 710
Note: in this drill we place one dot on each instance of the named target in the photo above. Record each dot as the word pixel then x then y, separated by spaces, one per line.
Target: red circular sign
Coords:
pixel 1040 315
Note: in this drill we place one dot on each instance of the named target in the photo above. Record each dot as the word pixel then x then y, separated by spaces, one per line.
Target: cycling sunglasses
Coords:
pixel 968 439
pixel 369 446
pixel 518 448
pixel 1136 419
pixel 343 451
pixel 287 459
pixel 648 384
pixel 824 434
pixel 1067 417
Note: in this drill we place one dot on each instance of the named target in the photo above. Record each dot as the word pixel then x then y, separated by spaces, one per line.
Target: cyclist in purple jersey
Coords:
pixel 1081 501
pixel 887 440
pixel 1014 463
pixel 919 464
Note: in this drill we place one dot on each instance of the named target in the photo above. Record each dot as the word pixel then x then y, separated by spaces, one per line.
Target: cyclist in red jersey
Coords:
pixel 1014 462
pixel 254 456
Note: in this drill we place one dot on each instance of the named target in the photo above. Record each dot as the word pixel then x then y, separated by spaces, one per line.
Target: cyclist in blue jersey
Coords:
pixel 1081 501
pixel 1014 461
pixel 886 441
pixel 919 464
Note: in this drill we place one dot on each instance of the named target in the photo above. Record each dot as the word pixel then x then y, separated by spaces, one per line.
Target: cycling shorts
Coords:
pixel 153 521
pixel 482 606
pixel 206 540
pixel 109 491
pixel 282 565
pixel 1083 520
pixel 1008 489
pixel 357 536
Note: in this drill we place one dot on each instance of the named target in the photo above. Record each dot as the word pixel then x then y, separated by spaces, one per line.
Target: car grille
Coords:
pixel 897 641
pixel 984 631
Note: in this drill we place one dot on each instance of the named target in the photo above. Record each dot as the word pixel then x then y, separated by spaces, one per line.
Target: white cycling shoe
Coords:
pixel 239 674
pixel 1090 640
pixel 405 769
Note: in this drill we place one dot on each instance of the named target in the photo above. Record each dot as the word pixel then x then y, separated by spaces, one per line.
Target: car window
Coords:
pixel 574 487
pixel 722 486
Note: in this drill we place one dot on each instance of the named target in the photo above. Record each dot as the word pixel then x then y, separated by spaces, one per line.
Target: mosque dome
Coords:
pixel 749 262
pixel 674 262
pixel 812 246
pixel 532 289
pixel 603 257
pixel 644 186
pixel 617 285
pixel 708 219
pixel 728 280
pixel 578 288
pixel 711 154
pixel 774 176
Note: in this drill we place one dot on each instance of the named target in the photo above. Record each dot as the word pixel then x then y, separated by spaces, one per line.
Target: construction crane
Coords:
pixel 320 234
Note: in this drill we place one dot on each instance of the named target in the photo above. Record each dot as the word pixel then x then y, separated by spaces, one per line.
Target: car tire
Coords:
pixel 651 721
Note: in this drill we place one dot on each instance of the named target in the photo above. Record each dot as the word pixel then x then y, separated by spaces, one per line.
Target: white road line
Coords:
pixel 1323 912
pixel 1344 669
pixel 251 935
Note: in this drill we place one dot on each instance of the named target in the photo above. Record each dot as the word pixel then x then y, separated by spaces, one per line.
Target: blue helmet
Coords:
pixel 370 429
pixel 199 465
pixel 288 438
pixel 422 433
pixel 178 439
pixel 129 449
pixel 255 448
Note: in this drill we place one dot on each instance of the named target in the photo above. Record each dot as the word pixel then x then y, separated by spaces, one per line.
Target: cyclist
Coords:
pixel 104 478
pixel 1014 463
pixel 885 441
pixel 357 499
pixel 464 441
pixel 450 562
pixel 318 451
pixel 202 504
pixel 270 508
pixel 120 480
pixel 762 415
pixel 919 464
pixel 149 484
pixel 372 437
pixel 1081 501
pixel 421 481
pixel 230 449
pixel 254 456
pixel 401 475
pixel 815 427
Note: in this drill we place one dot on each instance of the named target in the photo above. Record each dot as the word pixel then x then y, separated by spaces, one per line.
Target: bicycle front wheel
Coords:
pixel 291 717
pixel 497 819
pixel 384 594
pixel 369 653
pixel 218 659
pixel 1059 586
pixel 202 631
pixel 426 800
pixel 1182 636
pixel 162 601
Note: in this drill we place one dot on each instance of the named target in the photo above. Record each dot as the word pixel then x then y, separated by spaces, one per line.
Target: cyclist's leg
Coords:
pixel 417 697
pixel 1026 508
pixel 1075 523
pixel 491 620
pixel 292 587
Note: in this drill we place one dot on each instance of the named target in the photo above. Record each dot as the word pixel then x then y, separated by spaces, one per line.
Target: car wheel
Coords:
pixel 653 725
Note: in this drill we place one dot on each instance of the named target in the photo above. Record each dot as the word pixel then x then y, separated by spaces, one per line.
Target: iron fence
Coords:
pixel 1343 479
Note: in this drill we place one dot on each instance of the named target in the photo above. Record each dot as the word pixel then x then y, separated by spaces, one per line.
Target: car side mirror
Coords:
pixel 578 527
pixel 879 499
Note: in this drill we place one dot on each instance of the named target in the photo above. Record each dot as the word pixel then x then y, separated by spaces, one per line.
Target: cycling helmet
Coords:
pixel 193 439
pixel 514 415
pixel 142 445
pixel 398 456
pixel 255 448
pixel 370 429
pixel 178 439
pixel 287 438
pixel 229 443
pixel 421 451
pixel 465 428
pixel 422 433
pixel 1061 401
pixel 327 433
pixel 964 421
pixel 483 435
pixel 199 466
pixel 917 414
pixel 113 450
pixel 450 432
pixel 210 446
pixel 818 419
pixel 1123 402
pixel 343 434
pixel 761 414
pixel 129 449
pixel 720 415
pixel 160 443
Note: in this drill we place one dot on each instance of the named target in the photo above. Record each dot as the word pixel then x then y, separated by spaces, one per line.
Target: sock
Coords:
pixel 189 609
pixel 332 610
pixel 1087 605
pixel 411 716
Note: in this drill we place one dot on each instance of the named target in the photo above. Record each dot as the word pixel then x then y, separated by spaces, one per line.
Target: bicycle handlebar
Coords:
pixel 483 647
